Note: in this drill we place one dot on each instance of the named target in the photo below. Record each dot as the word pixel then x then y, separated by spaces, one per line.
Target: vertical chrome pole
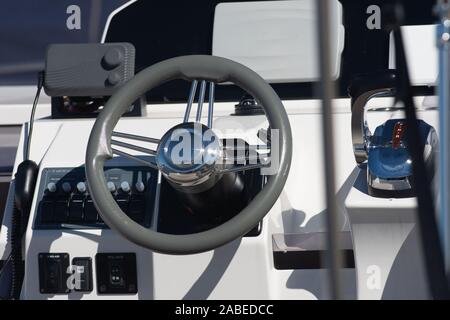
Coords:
pixel 192 92
pixel 328 93
pixel 211 104
pixel 443 35
pixel 201 99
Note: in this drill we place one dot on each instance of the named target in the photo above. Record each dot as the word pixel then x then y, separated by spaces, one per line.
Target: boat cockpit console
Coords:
pixel 186 161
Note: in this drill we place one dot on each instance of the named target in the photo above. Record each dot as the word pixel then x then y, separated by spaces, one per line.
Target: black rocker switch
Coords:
pixel 136 209
pixel 90 213
pixel 83 274
pixel 47 211
pixel 115 271
pixel 53 273
pixel 123 202
pixel 61 211
pixel 76 209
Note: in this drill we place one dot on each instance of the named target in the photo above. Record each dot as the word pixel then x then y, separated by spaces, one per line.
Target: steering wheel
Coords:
pixel 187 176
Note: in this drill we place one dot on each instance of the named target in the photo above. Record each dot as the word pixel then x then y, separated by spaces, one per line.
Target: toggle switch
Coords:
pixel 125 186
pixel 67 187
pixel 51 187
pixel 140 186
pixel 111 186
pixel 81 187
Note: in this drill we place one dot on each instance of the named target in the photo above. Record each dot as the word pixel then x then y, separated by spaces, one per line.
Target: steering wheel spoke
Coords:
pixel 239 156
pixel 148 161
pixel 190 100
pixel 134 137
pixel 239 168
pixel 201 101
pixel 149 153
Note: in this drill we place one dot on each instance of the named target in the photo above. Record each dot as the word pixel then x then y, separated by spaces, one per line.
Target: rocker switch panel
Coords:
pixel 53 273
pixel 116 273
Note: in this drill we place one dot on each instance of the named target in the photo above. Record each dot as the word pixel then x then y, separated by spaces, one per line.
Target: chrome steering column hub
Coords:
pixel 187 156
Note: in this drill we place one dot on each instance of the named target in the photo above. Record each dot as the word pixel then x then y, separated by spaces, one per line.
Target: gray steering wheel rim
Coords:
pixel 99 150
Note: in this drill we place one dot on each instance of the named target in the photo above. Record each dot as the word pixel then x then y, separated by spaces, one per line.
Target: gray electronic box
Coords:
pixel 82 70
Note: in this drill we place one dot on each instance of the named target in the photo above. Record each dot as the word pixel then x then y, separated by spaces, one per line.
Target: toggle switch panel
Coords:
pixel 116 273
pixel 64 201
pixel 53 273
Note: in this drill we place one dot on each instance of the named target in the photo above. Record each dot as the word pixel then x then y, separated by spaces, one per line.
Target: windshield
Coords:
pixel 28 27
pixel 161 29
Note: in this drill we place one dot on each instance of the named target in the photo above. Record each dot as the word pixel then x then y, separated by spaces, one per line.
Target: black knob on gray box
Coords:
pixel 113 58
pixel 114 78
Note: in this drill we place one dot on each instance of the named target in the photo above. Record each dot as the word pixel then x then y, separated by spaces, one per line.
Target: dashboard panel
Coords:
pixel 64 201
